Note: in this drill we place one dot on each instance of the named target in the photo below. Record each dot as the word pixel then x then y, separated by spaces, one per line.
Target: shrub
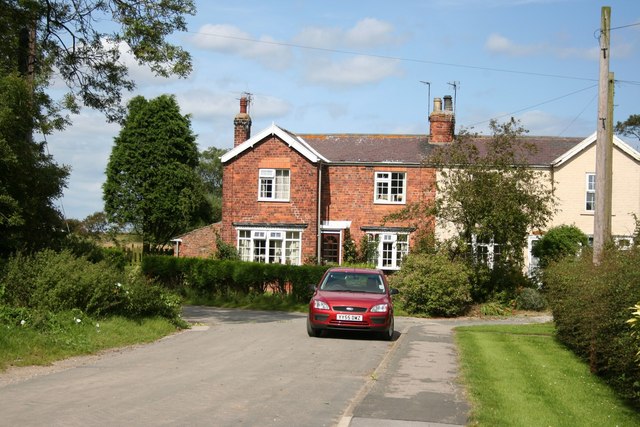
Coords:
pixel 590 305
pixel 530 299
pixel 433 285
pixel 558 243
pixel 54 282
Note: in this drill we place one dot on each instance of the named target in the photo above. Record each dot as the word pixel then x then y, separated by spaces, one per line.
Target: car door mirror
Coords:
pixel 393 291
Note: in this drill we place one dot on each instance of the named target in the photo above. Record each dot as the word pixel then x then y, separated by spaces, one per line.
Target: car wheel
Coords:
pixel 311 331
pixel 388 334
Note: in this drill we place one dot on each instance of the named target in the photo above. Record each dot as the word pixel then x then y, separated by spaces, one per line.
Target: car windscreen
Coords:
pixel 353 282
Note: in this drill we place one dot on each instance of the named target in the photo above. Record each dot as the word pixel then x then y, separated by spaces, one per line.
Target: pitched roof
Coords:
pixel 370 148
pixel 410 149
pixel 547 148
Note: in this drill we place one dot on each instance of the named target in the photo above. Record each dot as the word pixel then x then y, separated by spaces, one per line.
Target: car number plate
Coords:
pixel 350 317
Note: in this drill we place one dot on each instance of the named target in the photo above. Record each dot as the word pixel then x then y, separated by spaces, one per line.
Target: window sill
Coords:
pixel 384 202
pixel 274 200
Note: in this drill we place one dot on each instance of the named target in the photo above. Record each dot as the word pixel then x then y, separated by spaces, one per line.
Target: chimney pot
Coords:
pixel 448 103
pixel 437 104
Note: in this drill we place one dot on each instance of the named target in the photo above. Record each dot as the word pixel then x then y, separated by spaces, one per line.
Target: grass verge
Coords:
pixel 519 375
pixel 27 345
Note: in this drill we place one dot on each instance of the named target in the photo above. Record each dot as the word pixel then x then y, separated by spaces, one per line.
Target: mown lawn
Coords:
pixel 519 375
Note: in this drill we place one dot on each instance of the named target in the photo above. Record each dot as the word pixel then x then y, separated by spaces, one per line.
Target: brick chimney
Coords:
pixel 442 122
pixel 242 123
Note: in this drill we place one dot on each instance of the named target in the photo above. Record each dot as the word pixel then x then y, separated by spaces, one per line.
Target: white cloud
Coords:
pixel 356 70
pixel 501 45
pixel 206 104
pixel 226 38
pixel 366 33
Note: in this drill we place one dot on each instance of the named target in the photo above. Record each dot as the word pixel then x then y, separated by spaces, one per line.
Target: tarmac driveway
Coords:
pixel 237 367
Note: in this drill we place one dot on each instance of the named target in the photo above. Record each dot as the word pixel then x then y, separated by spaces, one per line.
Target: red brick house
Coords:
pixel 294 198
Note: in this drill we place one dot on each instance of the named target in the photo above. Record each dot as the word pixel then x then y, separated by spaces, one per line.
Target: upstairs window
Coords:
pixel 274 185
pixel 390 187
pixel 590 198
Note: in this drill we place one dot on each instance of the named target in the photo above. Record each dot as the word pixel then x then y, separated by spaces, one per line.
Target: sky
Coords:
pixel 360 66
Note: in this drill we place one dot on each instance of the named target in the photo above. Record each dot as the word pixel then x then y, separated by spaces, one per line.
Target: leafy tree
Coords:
pixel 80 43
pixel 152 183
pixel 210 171
pixel 488 192
pixel 558 243
pixel 630 127
pixel 30 181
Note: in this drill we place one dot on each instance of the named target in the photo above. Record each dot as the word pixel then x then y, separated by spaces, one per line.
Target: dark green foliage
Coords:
pixel 206 277
pixel 53 282
pixel 349 249
pixel 433 285
pixel 30 181
pixel 591 305
pixel 559 242
pixel 152 183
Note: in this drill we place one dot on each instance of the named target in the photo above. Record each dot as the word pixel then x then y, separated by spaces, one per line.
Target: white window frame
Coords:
pixel 590 192
pixel 281 246
pixel 274 185
pixel 384 190
pixel 391 250
pixel 485 252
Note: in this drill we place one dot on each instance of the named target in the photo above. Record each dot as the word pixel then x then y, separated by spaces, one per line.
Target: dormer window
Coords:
pixel 390 187
pixel 274 185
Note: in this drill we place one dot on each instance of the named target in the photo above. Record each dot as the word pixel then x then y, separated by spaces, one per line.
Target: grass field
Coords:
pixel 24 345
pixel 519 375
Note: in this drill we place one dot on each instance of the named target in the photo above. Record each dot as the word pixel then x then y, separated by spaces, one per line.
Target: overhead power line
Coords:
pixel 534 106
pixel 397 58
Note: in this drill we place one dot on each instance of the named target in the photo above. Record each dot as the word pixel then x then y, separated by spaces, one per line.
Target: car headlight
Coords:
pixel 320 305
pixel 380 308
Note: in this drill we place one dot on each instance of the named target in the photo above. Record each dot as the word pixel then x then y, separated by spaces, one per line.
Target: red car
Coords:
pixel 355 299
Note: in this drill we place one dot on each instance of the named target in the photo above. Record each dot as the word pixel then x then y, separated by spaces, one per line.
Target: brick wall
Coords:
pixel 240 192
pixel 199 243
pixel 348 195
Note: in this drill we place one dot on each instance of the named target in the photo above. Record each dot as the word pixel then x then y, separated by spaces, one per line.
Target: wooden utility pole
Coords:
pixel 604 143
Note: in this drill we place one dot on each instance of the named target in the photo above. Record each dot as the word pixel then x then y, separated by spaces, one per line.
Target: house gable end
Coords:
pixel 296 143
pixel 587 142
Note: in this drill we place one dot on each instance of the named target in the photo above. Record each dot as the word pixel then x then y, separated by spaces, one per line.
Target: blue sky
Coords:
pixel 356 66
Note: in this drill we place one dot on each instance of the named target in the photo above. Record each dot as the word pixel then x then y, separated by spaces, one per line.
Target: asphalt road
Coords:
pixel 249 368
pixel 234 368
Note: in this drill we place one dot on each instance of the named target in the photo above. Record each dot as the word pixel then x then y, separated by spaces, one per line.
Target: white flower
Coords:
pixel 97 325
pixel 77 320
pixel 119 284
pixel 22 322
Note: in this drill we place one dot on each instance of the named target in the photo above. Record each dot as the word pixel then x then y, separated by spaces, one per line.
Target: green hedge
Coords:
pixel 209 276
pixel 591 305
